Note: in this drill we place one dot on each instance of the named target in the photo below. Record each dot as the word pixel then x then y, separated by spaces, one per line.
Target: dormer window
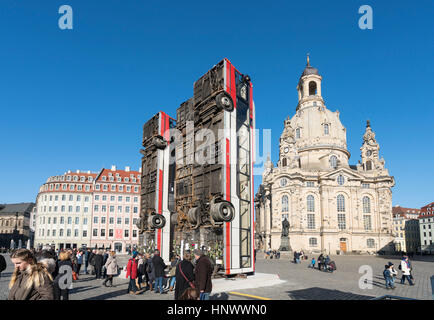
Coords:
pixel 104 178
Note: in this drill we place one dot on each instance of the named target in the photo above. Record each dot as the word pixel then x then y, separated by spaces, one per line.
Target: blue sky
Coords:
pixel 77 99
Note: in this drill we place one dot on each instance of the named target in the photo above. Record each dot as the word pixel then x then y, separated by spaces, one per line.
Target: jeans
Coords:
pixel 408 279
pixel 159 284
pixel 132 285
pixel 204 296
pixel 172 281
pixel 389 282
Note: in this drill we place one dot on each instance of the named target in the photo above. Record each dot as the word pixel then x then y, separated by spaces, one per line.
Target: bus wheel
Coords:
pixel 224 101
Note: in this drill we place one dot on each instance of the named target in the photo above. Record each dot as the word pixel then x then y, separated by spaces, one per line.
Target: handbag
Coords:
pixel 74 276
pixel 191 284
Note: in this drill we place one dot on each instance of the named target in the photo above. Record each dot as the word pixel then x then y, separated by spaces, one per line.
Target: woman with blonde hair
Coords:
pixel 65 268
pixel 111 266
pixel 30 280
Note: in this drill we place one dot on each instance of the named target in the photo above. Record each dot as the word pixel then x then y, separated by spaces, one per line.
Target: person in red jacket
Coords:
pixel 132 274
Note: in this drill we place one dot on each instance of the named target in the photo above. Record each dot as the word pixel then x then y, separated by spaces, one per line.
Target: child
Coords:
pixel 312 263
pixel 388 277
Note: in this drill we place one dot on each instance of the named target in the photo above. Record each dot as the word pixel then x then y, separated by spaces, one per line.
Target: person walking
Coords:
pixel 388 277
pixel 150 272
pixel 202 274
pixel 3 264
pixel 86 260
pixel 92 261
pixel 159 267
pixel 111 267
pixel 79 261
pixel 184 276
pixel 64 267
pixel 132 275
pixel 104 260
pixel 405 268
pixel 312 263
pixel 172 272
pixel 98 259
pixel 320 261
pixel 30 280
pixel 140 270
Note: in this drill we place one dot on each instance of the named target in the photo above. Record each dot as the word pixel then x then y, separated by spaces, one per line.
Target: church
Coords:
pixel 331 205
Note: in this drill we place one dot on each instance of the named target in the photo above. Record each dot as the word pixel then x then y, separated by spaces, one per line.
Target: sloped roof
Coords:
pixel 16 207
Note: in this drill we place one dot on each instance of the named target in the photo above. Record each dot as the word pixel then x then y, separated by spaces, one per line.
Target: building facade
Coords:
pixel 116 209
pixel 406 229
pixel 426 227
pixel 331 206
pixel 85 209
pixel 15 224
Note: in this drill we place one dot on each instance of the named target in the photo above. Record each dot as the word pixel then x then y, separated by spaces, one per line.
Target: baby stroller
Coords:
pixel 330 267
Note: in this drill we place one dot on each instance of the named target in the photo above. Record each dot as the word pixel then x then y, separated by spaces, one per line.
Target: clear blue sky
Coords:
pixel 77 99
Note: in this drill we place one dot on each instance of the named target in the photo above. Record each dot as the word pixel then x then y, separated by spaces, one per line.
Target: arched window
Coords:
pixel 312 88
pixel 297 133
pixel 310 203
pixel 333 161
pixel 368 165
pixel 284 163
pixel 366 205
pixel 341 203
pixel 370 243
pixel 285 207
pixel 326 129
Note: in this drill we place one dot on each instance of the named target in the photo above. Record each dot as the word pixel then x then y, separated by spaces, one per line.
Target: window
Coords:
pixel 77 209
pixel 310 221
pixel 127 220
pixel 135 221
pixel 135 199
pixel 326 129
pixel 97 187
pixel 111 233
pixel 134 233
pixel 121 188
pixel 310 184
pixel 68 232
pixel 54 232
pixel 340 180
pixel 120 198
pixel 95 219
pixel 102 232
pixel 368 165
pixel 112 209
pixel 112 198
pixel 310 203
pixel 77 220
pixel 84 233
pixel 104 198
pixel 84 221
pixel 54 220
pixel 366 205
pixel 86 209
pixel 135 210
pixel 285 207
pixel 103 209
pixel 297 133
pixel 95 208
pixel 48 232
pixel 102 220
pixel 127 199
pixel 76 233
pixel 111 220
pixel 128 188
pixel 105 187
pixel 367 222
pixel 61 233
pixel 63 197
pixel 341 203
pixel 313 242
pixel 370 243
pixel 86 199
pixel 127 209
pixel 69 220
pixel 71 197
pixel 312 88
pixel 62 208
pixel 95 232
pixel 283 182
pixel 284 162
pixel 62 220
pixel 119 209
pixel 365 185
pixel 119 220
pixel 341 221
pixel 136 189
pixel 78 198
pixel 126 233
pixel 333 161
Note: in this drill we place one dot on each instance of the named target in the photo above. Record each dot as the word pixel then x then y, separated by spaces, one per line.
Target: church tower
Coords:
pixel 309 87
pixel 370 151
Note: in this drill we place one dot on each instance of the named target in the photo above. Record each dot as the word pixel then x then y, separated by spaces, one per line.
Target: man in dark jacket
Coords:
pixel 104 260
pixel 184 276
pixel 86 260
pixel 2 264
pixel 98 258
pixel 159 267
pixel 202 274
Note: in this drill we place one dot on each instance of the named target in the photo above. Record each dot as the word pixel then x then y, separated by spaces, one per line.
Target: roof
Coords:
pixel 16 207
pixel 122 174
pixel 427 211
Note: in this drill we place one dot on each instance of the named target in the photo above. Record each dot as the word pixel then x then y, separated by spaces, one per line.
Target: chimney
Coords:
pixel 113 168
pixel 127 169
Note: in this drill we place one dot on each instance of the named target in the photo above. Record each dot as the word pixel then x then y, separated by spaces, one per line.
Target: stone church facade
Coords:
pixel 331 206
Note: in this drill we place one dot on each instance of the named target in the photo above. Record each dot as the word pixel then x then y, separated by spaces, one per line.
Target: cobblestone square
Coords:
pixel 302 283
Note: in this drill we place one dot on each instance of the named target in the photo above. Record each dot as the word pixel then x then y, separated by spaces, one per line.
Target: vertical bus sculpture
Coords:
pixel 157 184
pixel 214 194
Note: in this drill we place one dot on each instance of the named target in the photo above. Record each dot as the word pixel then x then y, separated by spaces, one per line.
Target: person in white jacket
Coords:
pixel 405 269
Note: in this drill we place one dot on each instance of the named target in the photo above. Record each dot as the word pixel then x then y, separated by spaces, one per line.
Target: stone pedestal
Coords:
pixel 284 244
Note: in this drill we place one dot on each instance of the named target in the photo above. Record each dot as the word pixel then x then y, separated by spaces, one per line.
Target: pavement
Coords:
pixel 278 280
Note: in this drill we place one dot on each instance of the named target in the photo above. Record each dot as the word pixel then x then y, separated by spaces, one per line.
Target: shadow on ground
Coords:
pixel 324 294
pixel 219 296
pixel 110 295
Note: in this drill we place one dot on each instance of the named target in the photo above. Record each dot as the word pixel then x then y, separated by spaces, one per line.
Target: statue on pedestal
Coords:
pixel 284 239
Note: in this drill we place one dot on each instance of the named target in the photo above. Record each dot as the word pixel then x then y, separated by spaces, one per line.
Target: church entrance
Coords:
pixel 343 245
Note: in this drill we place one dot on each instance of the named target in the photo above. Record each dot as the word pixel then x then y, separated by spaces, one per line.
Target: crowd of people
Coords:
pixel 49 274
pixel 390 274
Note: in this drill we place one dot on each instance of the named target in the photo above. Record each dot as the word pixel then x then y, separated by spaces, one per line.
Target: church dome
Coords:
pixel 310 70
